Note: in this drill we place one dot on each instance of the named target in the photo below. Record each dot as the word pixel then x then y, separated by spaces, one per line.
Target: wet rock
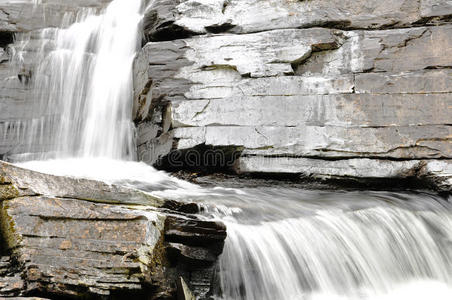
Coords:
pixel 81 238
pixel 184 292
pixel 195 244
pixel 194 232
pixel 19 182
pixel 438 174
pixel 433 174
pixel 21 25
pixel 19 16
pixel 193 256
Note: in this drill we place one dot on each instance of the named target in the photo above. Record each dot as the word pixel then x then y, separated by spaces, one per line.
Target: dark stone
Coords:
pixel 6 38
pixel 192 232
pixel 193 256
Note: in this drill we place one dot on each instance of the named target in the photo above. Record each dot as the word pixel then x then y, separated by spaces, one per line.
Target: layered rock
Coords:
pixel 67 237
pixel 189 17
pixel 305 87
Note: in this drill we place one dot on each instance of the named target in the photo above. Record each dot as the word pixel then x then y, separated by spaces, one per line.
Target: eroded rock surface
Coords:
pixel 66 237
pixel 306 87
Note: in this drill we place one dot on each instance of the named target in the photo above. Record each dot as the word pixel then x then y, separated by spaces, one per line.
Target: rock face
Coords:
pixel 68 237
pixel 305 87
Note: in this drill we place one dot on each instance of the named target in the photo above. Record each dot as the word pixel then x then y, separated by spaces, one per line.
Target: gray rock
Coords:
pixel 417 82
pixel 73 247
pixel 439 174
pixel 435 8
pixel 81 238
pixel 393 51
pixel 352 110
pixel 436 173
pixel 333 142
pixel 18 182
pixel 168 19
pixel 318 168
pixel 306 94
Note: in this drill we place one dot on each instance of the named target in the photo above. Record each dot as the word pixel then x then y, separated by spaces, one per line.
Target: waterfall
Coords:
pixel 81 88
pixel 283 243
pixel 337 250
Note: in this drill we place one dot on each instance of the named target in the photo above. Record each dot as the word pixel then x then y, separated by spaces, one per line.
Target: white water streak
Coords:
pixel 82 85
pixel 363 254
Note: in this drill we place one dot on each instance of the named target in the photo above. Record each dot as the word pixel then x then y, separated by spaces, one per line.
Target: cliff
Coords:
pixel 323 89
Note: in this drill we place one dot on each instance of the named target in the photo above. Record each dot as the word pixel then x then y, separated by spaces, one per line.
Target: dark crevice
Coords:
pixel 437 67
pixel 6 38
pixel 219 28
pixel 338 24
pixel 169 31
pixel 411 183
pixel 433 21
pixel 299 180
pixel 225 5
pixel 201 159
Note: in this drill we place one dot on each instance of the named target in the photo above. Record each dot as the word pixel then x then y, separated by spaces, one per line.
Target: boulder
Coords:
pixel 69 237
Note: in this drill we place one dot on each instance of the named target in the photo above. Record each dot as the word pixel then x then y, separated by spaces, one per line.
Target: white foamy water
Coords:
pixel 136 175
pixel 341 246
pixel 82 85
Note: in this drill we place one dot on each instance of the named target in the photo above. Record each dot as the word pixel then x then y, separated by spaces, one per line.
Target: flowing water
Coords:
pixel 283 242
pixel 82 85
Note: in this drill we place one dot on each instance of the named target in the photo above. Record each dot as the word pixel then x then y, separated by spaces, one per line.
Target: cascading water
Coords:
pixel 82 85
pixel 341 245
pixel 283 243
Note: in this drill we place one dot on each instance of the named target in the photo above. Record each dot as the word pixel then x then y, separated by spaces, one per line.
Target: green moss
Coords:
pixel 8 191
pixel 8 234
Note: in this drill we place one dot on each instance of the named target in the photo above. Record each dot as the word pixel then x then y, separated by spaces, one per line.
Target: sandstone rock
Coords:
pixel 10 285
pixel 82 238
pixel 18 182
